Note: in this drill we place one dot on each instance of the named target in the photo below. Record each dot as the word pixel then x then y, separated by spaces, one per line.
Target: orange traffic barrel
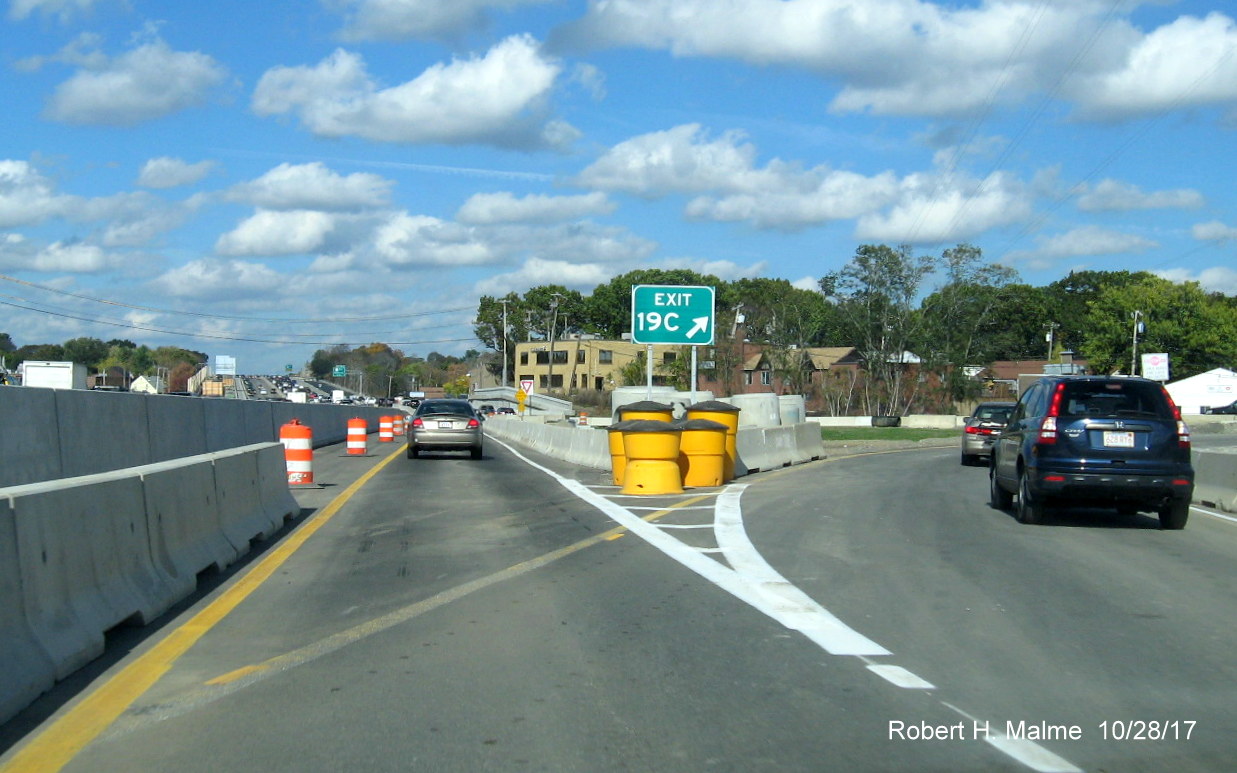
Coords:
pixel 298 445
pixel 357 430
pixel 386 430
pixel 397 426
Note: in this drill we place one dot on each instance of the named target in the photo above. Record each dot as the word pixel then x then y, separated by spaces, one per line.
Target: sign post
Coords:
pixel 671 314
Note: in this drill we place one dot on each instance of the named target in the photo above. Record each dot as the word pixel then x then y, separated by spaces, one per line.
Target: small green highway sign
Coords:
pixel 672 314
pixel 339 371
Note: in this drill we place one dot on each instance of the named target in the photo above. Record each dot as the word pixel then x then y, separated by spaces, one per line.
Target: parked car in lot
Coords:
pixel 1231 408
pixel 981 428
pixel 1094 440
pixel 444 425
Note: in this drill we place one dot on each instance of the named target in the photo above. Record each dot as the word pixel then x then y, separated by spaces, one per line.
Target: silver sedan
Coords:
pixel 445 425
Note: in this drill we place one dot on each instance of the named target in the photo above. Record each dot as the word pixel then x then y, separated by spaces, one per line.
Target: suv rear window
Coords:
pixel 1114 399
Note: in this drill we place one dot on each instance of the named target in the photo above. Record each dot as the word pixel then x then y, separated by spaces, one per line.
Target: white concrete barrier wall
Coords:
pixel 60 433
pixel 79 556
pixel 28 670
pixel 1215 478
pixel 86 564
pixel 182 514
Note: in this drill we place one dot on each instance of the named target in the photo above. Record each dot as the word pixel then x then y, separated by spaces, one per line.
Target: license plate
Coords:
pixel 447 425
pixel 1118 439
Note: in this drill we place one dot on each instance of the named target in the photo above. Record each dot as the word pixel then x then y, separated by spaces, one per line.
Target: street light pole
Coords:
pixel 504 302
pixel 1138 326
pixel 553 324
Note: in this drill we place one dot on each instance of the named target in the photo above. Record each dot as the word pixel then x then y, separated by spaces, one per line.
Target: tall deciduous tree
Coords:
pixel 876 295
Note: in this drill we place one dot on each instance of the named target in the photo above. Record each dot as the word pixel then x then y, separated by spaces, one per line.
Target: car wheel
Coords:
pixel 1174 514
pixel 413 451
pixel 476 452
pixel 1030 510
pixel 965 459
pixel 1001 499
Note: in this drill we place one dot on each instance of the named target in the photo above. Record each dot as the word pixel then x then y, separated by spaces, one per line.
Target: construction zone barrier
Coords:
pixel 397 427
pixel 386 429
pixel 298 443
pixel 80 556
pixel 357 431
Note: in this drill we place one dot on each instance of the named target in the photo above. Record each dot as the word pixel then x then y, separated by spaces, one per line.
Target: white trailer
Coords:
pixel 337 395
pixel 56 375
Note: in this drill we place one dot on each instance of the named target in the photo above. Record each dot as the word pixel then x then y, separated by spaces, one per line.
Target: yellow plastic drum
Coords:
pixel 645 410
pixel 722 413
pixel 618 460
pixel 702 452
pixel 651 448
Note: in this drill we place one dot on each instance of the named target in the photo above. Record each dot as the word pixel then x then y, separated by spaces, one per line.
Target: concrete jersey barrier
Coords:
pixel 81 555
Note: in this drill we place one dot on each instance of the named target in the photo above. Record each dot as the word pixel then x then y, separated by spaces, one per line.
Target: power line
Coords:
pixel 222 337
pixel 213 315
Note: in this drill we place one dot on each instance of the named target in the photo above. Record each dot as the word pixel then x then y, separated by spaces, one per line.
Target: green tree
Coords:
pixel 90 352
pixel 961 319
pixel 876 296
pixel 1196 330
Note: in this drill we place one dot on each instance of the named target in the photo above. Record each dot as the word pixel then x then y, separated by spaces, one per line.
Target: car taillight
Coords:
pixel 1172 404
pixel 979 430
pixel 1183 434
pixel 1048 428
pixel 473 424
pixel 418 423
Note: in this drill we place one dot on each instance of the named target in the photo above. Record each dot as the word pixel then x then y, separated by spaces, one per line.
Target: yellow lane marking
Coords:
pixel 240 678
pixel 56 746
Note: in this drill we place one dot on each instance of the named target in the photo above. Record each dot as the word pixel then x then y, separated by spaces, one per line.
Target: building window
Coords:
pixel 581 356
pixel 560 357
pixel 557 381
pixel 766 377
pixel 543 357
pixel 523 358
pixel 605 356
pixel 669 357
pixel 747 377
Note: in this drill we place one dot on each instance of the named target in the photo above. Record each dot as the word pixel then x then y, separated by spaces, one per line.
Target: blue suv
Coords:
pixel 1095 441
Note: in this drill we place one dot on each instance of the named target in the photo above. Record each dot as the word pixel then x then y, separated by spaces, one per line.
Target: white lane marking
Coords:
pixel 802 612
pixel 786 608
pixel 1026 752
pixel 683 525
pixel 1214 514
pixel 775 597
pixel 901 677
pixel 676 509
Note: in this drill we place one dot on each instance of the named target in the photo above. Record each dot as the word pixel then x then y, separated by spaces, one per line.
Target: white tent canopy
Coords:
pixel 1211 390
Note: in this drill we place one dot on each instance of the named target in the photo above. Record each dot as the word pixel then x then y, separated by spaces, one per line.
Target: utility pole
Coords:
pixel 553 324
pixel 1051 337
pixel 1139 327
pixel 504 302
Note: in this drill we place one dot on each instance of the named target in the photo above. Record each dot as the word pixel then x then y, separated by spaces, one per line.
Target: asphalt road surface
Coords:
pixel 514 613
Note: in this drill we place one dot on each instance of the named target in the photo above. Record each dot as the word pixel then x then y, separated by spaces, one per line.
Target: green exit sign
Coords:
pixel 672 314
pixel 339 371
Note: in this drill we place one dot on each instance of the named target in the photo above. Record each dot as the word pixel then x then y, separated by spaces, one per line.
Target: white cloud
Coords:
pixel 584 242
pixel 1114 196
pixel 504 207
pixel 398 20
pixel 210 279
pixel 933 210
pixel 501 98
pixel 812 198
pixel 1087 241
pixel 64 10
pixel 168 172
pixel 912 57
pixel 678 160
pixel 292 232
pixel 313 186
pixel 1185 63
pixel 539 271
pixel 131 219
pixel 1218 279
pixel 27 197
pixel 420 241
pixel 1214 231
pixel 148 82
pixel 75 258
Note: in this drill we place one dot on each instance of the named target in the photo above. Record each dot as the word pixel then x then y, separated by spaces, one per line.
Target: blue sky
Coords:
pixel 266 179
